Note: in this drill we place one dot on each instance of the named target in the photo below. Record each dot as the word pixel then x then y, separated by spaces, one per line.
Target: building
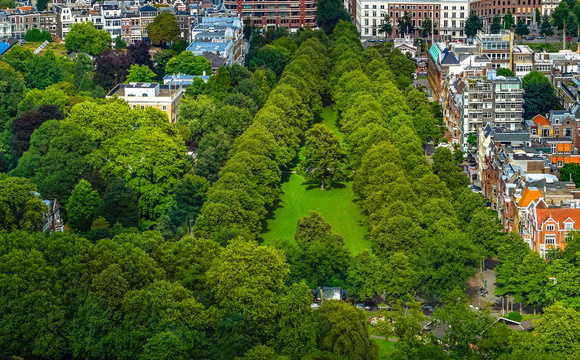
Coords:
pixel 21 20
pixel 548 6
pixel 290 14
pixel 181 79
pixel 405 45
pixel 141 95
pixel 454 13
pixel 220 36
pixel 498 47
pixel 64 20
pixel 419 11
pixel 131 28
pixel 369 16
pixel 523 10
pixel 523 60
pixel 147 14
pixel 51 220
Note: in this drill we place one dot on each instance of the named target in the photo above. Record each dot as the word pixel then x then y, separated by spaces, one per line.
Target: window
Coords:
pixel 569 226
pixel 550 227
pixel 164 107
pixel 550 240
pixel 556 131
pixel 142 107
pixel 554 148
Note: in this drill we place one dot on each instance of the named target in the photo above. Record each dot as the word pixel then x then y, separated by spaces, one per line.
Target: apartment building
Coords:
pixel 290 14
pixel 548 6
pixel 524 10
pixel 141 95
pixel 147 14
pixel 48 22
pixel 64 20
pixel 454 13
pixel 21 20
pixel 370 16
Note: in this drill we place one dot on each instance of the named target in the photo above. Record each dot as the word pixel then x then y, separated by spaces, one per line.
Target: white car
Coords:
pixel 315 305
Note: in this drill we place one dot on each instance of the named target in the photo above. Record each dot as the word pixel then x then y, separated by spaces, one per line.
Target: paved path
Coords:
pixel 383 338
pixel 289 172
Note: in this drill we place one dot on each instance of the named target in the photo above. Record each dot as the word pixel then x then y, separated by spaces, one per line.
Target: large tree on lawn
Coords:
pixel 164 29
pixel 324 156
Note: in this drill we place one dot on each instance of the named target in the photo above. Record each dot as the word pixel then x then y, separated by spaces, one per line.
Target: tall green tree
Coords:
pixel 539 99
pixel 344 332
pixel 473 25
pixel 324 158
pixel 188 64
pixel 82 205
pixel 571 172
pixel 428 27
pixel 546 27
pixel 85 37
pixel 405 23
pixel 522 29
pixel 12 89
pixel 534 77
pixel 508 20
pixel 120 43
pixel 387 25
pixel 496 24
pixel 558 331
pixel 164 29
pixel 139 73
pixel 329 13
pixel 20 207
pixel 560 15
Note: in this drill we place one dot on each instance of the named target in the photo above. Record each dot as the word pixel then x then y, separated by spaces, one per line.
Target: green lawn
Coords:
pixel 336 205
pixel 385 348
pixel 57 48
pixel 530 317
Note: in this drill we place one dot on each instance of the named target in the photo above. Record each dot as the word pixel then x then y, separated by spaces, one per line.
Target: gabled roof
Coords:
pixel 148 8
pixel 540 120
pixel 449 58
pixel 529 195
pixel 560 215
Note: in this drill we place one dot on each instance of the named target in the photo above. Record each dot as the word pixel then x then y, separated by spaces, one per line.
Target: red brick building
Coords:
pixel 270 13
pixel 520 9
pixel 419 10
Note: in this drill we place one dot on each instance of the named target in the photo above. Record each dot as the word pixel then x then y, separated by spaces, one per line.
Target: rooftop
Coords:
pixel 164 90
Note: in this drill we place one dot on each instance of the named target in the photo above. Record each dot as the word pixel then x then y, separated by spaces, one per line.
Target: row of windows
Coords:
pixel 420 7
pixel 271 14
pixel 453 8
pixel 453 23
pixel 500 3
pixel 425 14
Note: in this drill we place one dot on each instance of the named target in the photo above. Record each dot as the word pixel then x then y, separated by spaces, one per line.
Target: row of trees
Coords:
pixel 422 217
pixel 249 181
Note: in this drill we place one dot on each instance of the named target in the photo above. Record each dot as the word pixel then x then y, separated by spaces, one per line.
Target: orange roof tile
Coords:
pixel 529 195
pixel 540 120
pixel 558 214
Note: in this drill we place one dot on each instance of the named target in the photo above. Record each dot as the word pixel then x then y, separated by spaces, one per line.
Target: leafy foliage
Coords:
pixel 85 37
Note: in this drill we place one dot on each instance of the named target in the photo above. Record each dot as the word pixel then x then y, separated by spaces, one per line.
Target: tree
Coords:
pixel 81 206
pixel 387 25
pixel 560 15
pixel 140 73
pixel 522 29
pixel 508 20
pixel 247 277
pixel 35 34
pixel 572 24
pixel 323 156
pixel 538 17
pixel 85 37
pixel 329 13
pixel 164 29
pixel 189 195
pixel 41 5
pixel 12 89
pixel 269 57
pixel 120 43
pixel 534 77
pixel 20 206
pixel 120 204
pixel 405 24
pixel 8 4
pixel 557 332
pixel 571 172
pixel 344 332
pixel 111 68
pixel 473 25
pixel 539 99
pixel 546 27
pixel 496 24
pixel 188 64
pixel 504 72
pixel 42 71
pixel 366 276
pixel 153 174
pixel 139 52
pixel 428 28
pixel 24 125
pixel 532 279
pixel 179 46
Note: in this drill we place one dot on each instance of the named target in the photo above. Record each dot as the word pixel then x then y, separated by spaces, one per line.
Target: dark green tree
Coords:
pixel 504 72
pixel 508 20
pixel 82 205
pixel 571 172
pixel 329 13
pixel 387 25
pixel 496 24
pixel 473 25
pixel 20 207
pixel 120 43
pixel 119 204
pixel 522 29
pixel 405 23
pixel 539 99
pixel 560 15
pixel 546 27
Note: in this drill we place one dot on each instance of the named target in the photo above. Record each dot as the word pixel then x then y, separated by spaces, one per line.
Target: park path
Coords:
pixel 383 338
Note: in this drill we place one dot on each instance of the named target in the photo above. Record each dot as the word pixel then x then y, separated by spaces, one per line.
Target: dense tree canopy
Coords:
pixel 84 37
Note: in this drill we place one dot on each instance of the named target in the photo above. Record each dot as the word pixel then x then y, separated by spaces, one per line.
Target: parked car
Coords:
pixel 475 189
pixel 384 307
pixel 428 307
pixel 541 37
pixel 363 307
pixel 315 305
pixel 457 40
pixel 530 38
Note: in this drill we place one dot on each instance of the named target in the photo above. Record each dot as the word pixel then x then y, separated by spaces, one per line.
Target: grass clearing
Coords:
pixel 530 317
pixel 386 347
pixel 336 204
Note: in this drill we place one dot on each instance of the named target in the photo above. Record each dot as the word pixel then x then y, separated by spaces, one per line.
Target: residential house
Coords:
pixel 270 13
pixel 51 220
pixel 160 96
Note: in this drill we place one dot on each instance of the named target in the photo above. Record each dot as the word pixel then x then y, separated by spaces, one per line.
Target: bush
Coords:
pixel 515 316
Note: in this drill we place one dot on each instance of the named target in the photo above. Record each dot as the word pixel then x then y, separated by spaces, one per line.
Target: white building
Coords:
pixel 548 7
pixel 454 13
pixel 370 16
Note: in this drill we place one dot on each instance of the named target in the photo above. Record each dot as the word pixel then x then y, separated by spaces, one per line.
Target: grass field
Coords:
pixel 385 348
pixel 337 206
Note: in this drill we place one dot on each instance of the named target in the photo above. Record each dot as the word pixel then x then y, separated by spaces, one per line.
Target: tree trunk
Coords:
pixel 322 185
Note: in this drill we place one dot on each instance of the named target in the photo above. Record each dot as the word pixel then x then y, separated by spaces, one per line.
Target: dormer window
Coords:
pixel 569 226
